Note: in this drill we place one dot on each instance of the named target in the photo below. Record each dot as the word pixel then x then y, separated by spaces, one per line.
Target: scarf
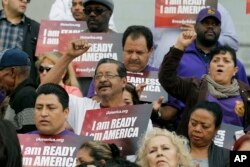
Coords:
pixel 220 91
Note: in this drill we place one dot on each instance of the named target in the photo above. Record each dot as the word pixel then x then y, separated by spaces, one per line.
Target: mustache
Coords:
pixel 208 31
pixel 103 84
pixel 134 62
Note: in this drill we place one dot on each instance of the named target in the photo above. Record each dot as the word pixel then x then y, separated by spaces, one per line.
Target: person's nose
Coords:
pixel 134 56
pixel 159 153
pixel 197 128
pixel 44 112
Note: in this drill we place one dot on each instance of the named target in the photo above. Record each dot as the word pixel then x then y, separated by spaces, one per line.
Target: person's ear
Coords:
pixel 235 70
pixel 124 80
pixel 13 72
pixel 66 111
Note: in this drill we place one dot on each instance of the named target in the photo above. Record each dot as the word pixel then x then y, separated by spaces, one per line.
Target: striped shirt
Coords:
pixel 11 35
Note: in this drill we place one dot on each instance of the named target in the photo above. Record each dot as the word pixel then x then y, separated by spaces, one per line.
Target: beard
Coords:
pixel 208 42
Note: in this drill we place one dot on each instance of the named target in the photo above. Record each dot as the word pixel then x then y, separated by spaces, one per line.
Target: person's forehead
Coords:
pixel 107 67
pixel 48 98
pixel 140 39
pixel 94 5
pixel 226 55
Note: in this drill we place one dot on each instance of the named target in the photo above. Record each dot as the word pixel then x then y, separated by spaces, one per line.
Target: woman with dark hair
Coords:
pixel 243 143
pixel 96 153
pixel 10 150
pixel 204 121
pixel 219 85
pixel 130 95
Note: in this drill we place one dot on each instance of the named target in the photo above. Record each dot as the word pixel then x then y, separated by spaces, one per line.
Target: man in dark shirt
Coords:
pixel 14 73
pixel 17 30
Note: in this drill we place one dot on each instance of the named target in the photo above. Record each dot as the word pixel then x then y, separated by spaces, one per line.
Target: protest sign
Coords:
pixel 225 136
pixel 103 45
pixel 153 90
pixel 39 150
pixel 48 37
pixel 173 13
pixel 120 125
pixel 248 7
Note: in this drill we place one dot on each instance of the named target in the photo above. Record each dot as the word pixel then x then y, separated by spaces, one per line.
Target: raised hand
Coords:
pixel 157 104
pixel 185 38
pixel 187 27
pixel 77 47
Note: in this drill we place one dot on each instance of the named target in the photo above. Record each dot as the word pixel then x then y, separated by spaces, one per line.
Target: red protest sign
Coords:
pixel 248 7
pixel 48 37
pixel 172 14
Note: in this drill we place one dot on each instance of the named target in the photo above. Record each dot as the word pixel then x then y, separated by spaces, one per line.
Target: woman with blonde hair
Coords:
pixel 159 147
pixel 47 60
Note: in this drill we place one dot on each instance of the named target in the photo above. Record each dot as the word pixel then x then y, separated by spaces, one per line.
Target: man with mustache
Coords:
pixel 196 56
pixel 137 43
pixel 110 80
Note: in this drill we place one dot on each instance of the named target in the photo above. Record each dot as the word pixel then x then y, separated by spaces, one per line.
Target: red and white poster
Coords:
pixel 103 45
pixel 120 125
pixel 47 151
pixel 48 37
pixel 153 90
pixel 248 7
pixel 173 13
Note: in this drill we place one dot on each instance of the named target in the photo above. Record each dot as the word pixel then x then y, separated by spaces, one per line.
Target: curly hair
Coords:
pixel 180 143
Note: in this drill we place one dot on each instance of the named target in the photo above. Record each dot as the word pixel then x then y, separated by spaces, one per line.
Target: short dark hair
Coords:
pixel 59 91
pixel 10 150
pixel 135 32
pixel 223 50
pixel 121 70
pixel 132 90
pixel 211 107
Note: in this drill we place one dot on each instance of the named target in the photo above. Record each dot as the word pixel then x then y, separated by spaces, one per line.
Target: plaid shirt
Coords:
pixel 11 35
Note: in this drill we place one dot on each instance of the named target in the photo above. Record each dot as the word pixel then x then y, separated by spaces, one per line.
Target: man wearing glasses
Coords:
pixel 110 80
pixel 98 13
pixel 17 30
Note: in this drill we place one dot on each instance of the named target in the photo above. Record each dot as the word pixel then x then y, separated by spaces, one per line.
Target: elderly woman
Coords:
pixel 219 85
pixel 204 121
pixel 160 147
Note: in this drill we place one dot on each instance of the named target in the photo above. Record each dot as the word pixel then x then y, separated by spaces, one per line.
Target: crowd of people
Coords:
pixel 206 82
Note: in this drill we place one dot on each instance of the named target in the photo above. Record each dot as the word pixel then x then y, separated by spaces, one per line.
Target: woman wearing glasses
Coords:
pixel 69 82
